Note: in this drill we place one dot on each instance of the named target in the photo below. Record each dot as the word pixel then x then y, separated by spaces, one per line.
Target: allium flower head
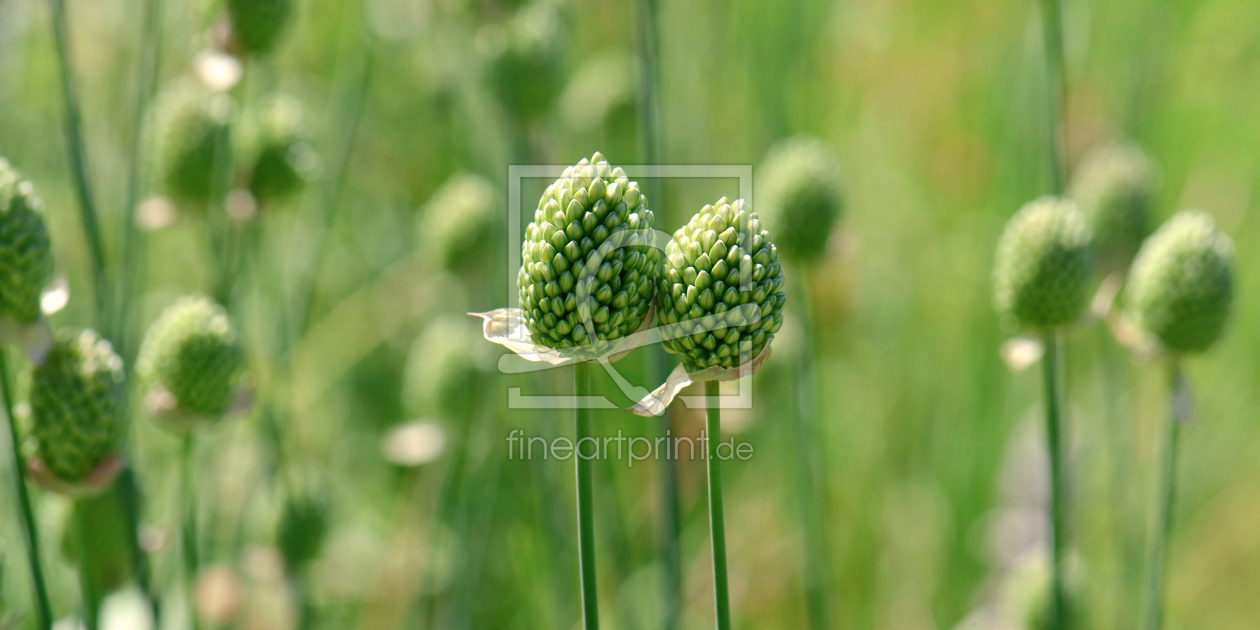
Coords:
pixel 257 24
pixel 457 223
pixel 76 401
pixel 724 285
pixel 588 260
pixel 278 150
pixel 25 251
pixel 189 123
pixel 192 351
pixel 799 194
pixel 1181 287
pixel 445 370
pixel 1044 262
pixel 1113 188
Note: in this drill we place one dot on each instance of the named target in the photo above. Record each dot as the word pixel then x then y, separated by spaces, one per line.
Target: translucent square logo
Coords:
pixel 512 363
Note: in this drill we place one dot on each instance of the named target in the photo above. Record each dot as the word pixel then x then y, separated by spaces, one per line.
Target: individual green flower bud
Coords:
pixel 192 351
pixel 723 285
pixel 445 370
pixel 76 404
pixel 1181 287
pixel 25 251
pixel 301 530
pixel 1044 262
pixel 799 193
pixel 459 221
pixel 525 58
pixel 278 150
pixel 257 24
pixel 190 127
pixel 588 248
pixel 1113 188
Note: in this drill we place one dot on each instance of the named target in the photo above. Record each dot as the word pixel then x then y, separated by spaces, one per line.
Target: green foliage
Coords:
pixel 1113 187
pixel 193 351
pixel 76 400
pixel 1043 266
pixel 1181 289
pixel 258 24
pixel 718 267
pixel 588 267
pixel 799 194
pixel 25 251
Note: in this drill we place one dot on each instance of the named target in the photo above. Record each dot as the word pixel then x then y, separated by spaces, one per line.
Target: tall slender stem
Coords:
pixel 30 533
pixel 188 536
pixel 1056 104
pixel 78 155
pixel 585 497
pixel 1161 527
pixel 90 590
pixel 717 517
pixel 1058 520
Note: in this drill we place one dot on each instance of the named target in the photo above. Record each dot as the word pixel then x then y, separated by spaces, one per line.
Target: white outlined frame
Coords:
pixel 742 399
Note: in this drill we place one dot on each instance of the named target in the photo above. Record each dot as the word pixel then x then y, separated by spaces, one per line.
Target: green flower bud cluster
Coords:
pixel 459 220
pixel 189 123
pixel 445 370
pixel 76 402
pixel 589 260
pixel 278 150
pixel 525 59
pixel 192 350
pixel 1181 287
pixel 1113 188
pixel 301 531
pixel 1044 263
pixel 25 251
pixel 799 192
pixel 257 24
pixel 724 285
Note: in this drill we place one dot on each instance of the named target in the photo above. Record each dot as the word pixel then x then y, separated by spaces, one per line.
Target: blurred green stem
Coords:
pixel 585 497
pixel 1056 103
pixel 1161 527
pixel 717 518
pixel 1058 522
pixel 30 533
pixel 188 534
pixel 78 157
pixel 91 592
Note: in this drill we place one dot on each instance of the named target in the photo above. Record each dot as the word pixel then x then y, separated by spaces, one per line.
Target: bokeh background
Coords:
pixel 928 477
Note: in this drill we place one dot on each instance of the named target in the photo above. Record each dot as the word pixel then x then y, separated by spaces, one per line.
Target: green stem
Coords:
pixel 78 156
pixel 1058 522
pixel 90 590
pixel 585 493
pixel 1056 103
pixel 803 425
pixel 188 535
pixel 717 518
pixel 30 533
pixel 1153 599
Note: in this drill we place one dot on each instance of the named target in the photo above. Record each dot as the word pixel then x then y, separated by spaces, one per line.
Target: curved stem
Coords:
pixel 78 155
pixel 1056 104
pixel 1058 522
pixel 717 518
pixel 1153 598
pixel 585 497
pixel 30 533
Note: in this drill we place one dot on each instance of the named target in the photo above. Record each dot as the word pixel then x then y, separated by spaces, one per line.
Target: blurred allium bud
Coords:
pixel 601 94
pixel 445 370
pixel 25 252
pixel 1043 266
pixel 588 263
pixel 722 246
pixel 525 58
pixel 1181 287
pixel 277 149
pixel 257 24
pixel 76 402
pixel 458 222
pixel 192 351
pixel 301 530
pixel 1026 595
pixel 1113 188
pixel 799 195
pixel 189 123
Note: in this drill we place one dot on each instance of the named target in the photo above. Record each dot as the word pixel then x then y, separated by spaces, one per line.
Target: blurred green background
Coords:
pixel 929 482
